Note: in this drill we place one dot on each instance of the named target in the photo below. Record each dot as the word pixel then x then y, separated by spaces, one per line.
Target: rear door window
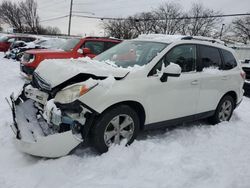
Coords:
pixel 229 60
pixel 210 57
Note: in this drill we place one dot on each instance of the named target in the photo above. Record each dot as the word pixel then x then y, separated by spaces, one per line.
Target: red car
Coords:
pixel 6 41
pixel 73 48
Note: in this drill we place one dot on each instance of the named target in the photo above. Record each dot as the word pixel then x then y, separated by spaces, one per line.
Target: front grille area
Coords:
pixel 247 71
pixel 27 57
pixel 40 83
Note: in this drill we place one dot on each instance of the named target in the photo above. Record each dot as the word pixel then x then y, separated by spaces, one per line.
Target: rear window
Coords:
pixel 210 57
pixel 229 60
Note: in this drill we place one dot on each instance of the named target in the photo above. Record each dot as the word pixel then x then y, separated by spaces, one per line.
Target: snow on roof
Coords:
pixel 174 38
pixel 161 37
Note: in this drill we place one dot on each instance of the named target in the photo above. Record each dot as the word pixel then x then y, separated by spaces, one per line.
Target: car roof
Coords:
pixel 183 39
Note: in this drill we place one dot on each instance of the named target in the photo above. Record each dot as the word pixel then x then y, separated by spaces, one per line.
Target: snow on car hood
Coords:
pixel 57 71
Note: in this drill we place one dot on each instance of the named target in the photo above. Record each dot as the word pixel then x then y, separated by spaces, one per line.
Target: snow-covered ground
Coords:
pixel 196 156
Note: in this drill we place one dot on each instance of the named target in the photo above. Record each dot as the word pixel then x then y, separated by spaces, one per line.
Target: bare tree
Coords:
pixel 10 13
pixel 119 29
pixel 166 22
pixel 169 18
pixel 143 23
pixel 201 23
pixel 49 30
pixel 241 29
pixel 28 10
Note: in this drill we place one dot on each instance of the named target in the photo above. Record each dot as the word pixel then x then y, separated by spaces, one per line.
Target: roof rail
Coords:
pixel 203 39
pixel 96 37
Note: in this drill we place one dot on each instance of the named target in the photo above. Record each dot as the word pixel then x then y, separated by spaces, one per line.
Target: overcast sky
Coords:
pixel 118 8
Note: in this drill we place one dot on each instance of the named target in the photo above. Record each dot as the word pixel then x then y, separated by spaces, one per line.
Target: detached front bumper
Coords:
pixel 35 136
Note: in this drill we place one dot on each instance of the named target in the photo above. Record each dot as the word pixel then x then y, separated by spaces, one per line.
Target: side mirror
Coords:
pixel 172 70
pixel 86 51
pixel 80 51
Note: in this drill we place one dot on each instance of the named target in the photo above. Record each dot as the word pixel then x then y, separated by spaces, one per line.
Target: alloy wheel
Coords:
pixel 119 128
pixel 225 110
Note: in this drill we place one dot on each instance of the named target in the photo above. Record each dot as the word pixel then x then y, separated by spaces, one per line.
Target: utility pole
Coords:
pixel 70 15
pixel 222 26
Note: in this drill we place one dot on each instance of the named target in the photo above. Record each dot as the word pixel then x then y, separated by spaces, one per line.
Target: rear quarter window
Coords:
pixel 229 60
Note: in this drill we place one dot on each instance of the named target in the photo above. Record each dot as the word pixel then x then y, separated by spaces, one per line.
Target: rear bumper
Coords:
pixel 246 87
pixel 33 135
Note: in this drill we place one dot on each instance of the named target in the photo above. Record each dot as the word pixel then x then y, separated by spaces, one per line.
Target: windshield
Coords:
pixel 52 43
pixel 70 44
pixel 131 53
pixel 3 39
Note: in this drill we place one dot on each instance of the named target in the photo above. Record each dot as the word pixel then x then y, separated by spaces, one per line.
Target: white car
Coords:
pixel 149 82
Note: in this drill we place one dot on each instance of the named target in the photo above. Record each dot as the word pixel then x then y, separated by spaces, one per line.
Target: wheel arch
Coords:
pixel 138 107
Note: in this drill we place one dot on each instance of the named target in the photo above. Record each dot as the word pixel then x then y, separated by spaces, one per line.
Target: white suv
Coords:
pixel 150 82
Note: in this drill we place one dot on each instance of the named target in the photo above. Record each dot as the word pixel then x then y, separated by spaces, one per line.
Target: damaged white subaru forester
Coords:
pixel 149 82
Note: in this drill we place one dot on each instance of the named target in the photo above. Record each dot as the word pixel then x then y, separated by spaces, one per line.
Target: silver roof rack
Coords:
pixel 203 39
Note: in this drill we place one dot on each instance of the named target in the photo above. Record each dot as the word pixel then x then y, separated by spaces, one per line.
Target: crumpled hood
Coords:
pixel 57 71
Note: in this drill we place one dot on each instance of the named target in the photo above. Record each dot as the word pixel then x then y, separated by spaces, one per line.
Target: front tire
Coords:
pixel 224 110
pixel 113 126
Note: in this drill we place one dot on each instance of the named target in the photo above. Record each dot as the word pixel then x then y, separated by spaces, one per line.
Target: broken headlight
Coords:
pixel 73 92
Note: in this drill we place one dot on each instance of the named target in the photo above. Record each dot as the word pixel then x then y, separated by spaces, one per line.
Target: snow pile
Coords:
pixel 196 156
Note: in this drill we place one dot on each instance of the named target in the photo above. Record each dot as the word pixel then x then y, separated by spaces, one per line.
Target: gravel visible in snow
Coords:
pixel 195 156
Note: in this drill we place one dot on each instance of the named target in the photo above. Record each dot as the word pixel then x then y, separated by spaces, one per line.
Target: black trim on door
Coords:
pixel 178 121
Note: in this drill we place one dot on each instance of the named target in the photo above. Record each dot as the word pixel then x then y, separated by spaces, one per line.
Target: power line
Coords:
pixel 170 18
pixel 55 18
pixel 84 12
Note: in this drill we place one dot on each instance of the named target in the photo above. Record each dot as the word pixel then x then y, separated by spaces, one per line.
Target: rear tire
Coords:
pixel 113 126
pixel 224 110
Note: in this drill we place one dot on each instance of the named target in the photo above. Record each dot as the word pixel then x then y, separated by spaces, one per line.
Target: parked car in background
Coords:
pixel 246 68
pixel 243 52
pixel 150 82
pixel 6 41
pixel 73 48
pixel 17 48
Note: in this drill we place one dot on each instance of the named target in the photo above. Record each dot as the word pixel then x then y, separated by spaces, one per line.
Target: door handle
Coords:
pixel 194 82
pixel 224 77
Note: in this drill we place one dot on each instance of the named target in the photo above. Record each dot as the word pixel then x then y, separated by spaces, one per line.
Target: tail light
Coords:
pixel 243 75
